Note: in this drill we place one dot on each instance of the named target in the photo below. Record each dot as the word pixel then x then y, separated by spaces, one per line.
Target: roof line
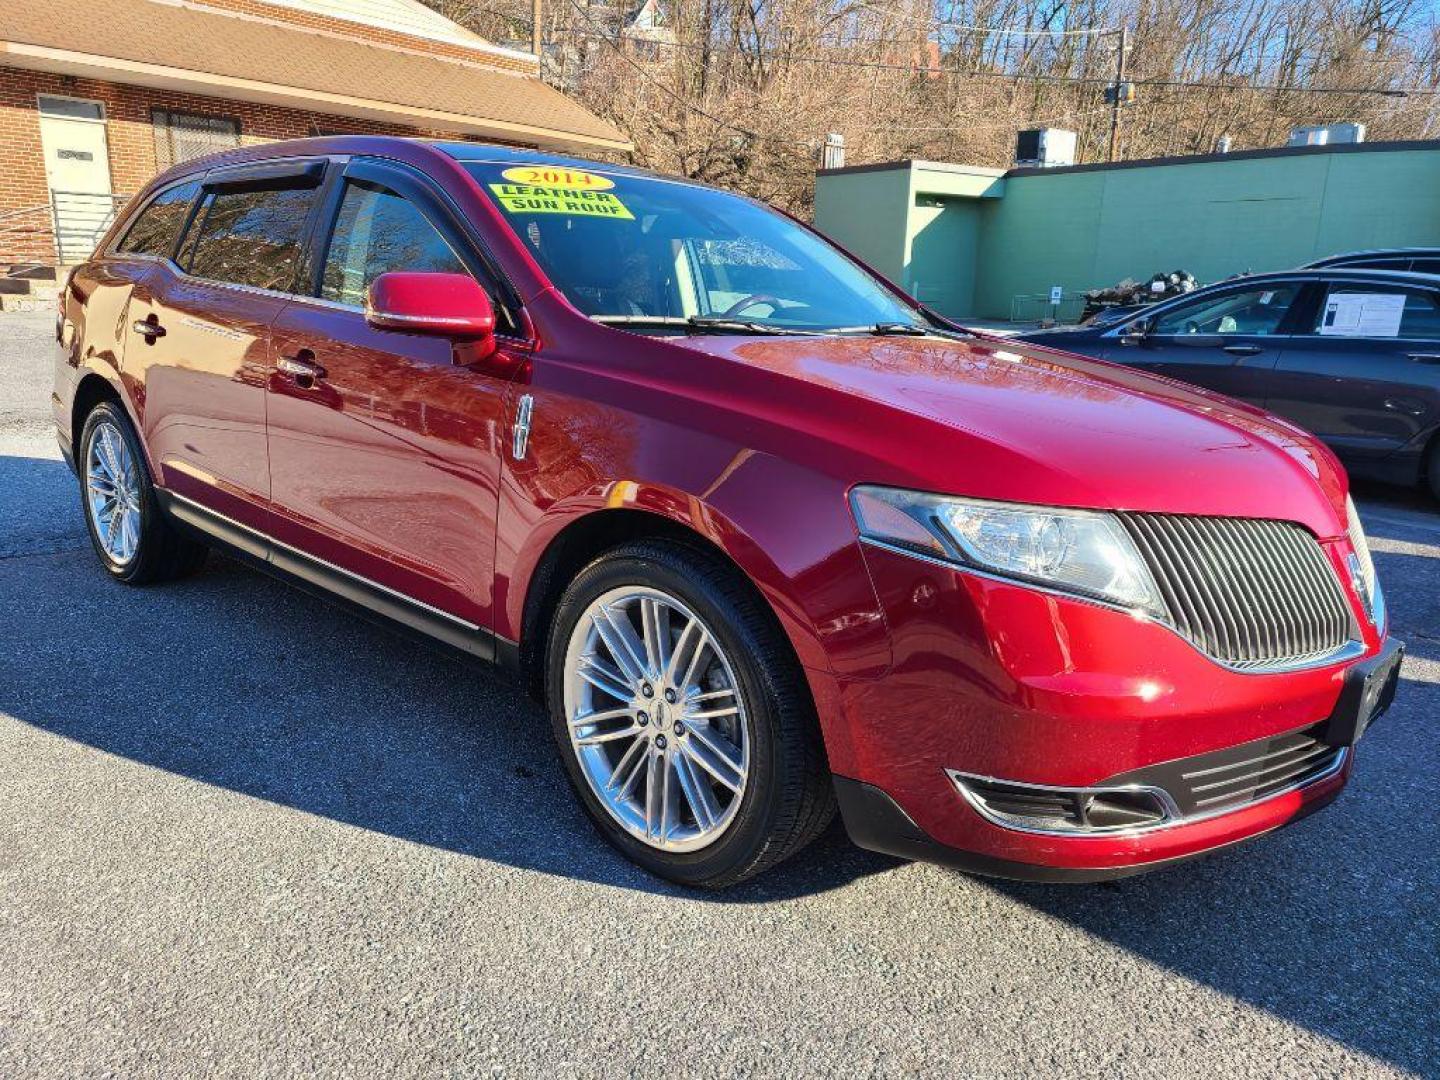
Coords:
pixel 481 48
pixel 1183 159
pixel 39 55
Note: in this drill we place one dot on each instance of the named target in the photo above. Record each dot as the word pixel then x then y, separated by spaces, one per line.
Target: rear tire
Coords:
pixel 136 543
pixel 704 762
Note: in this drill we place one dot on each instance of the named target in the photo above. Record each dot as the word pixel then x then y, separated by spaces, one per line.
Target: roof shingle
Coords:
pixel 148 41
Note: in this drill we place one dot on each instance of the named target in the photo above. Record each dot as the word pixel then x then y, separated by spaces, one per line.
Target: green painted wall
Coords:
pixel 867 213
pixel 918 223
pixel 944 241
pixel 994 239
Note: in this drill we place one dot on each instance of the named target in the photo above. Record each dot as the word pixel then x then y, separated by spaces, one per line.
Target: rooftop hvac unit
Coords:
pixel 1045 147
pixel 1326 135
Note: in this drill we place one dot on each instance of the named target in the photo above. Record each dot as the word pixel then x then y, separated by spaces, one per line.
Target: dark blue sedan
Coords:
pixel 1352 355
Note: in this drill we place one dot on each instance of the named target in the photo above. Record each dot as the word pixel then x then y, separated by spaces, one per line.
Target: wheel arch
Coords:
pixel 92 389
pixel 96 385
pixel 589 532
pixel 1429 468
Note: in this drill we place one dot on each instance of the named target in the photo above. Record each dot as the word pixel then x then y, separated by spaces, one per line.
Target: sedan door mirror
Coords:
pixel 1137 332
pixel 446 305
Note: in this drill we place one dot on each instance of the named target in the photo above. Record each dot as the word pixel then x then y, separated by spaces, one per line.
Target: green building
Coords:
pixel 991 244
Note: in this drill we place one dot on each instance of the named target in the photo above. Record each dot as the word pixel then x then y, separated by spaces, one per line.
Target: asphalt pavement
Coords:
pixel 244 833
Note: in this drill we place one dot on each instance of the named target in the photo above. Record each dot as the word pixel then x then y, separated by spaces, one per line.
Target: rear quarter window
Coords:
pixel 250 237
pixel 1379 311
pixel 157 227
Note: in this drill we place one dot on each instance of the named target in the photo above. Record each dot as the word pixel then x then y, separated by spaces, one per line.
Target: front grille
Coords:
pixel 1250 593
pixel 1226 779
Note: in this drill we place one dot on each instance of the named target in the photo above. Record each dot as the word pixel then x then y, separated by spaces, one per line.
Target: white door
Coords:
pixel 77 171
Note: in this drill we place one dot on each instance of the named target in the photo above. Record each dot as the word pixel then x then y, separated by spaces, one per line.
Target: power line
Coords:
pixel 1001 31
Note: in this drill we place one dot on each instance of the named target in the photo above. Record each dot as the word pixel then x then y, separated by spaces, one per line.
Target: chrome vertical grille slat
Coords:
pixel 1264 595
pixel 1249 592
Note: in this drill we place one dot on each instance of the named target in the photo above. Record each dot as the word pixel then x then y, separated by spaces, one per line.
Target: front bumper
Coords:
pixel 876 822
pixel 991 679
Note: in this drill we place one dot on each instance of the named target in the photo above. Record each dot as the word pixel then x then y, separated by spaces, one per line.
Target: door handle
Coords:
pixel 1241 350
pixel 149 329
pixel 1408 406
pixel 1424 357
pixel 301 367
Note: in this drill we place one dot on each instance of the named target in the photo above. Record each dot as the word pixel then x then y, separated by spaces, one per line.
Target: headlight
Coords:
pixel 1362 567
pixel 1076 551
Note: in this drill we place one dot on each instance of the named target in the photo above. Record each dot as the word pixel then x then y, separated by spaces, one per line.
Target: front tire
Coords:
pixel 135 542
pixel 683 717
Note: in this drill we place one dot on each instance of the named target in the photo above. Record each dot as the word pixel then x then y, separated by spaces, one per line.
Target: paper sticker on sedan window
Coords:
pixel 532 199
pixel 555 177
pixel 1357 314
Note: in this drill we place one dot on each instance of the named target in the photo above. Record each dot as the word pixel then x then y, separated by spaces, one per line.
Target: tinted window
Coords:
pixel 1426 266
pixel 250 237
pixel 636 248
pixel 377 231
pixel 1248 311
pixel 1378 311
pixel 157 227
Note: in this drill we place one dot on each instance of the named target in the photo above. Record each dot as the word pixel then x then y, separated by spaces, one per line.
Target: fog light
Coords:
pixel 1071 811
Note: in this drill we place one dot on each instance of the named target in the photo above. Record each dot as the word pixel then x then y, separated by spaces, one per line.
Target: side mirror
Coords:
pixel 1137 332
pixel 446 305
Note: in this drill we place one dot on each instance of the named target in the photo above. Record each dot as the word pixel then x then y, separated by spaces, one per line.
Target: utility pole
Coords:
pixel 535 27
pixel 1116 91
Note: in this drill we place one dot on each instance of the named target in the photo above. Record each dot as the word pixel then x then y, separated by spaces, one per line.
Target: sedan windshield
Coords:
pixel 648 253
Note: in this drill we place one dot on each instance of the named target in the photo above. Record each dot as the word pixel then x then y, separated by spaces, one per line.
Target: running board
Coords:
pixel 328 581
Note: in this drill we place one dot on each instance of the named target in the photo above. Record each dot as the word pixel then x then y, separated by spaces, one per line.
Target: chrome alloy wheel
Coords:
pixel 656 719
pixel 112 492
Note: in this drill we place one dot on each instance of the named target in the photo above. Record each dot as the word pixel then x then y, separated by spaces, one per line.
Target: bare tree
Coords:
pixel 742 92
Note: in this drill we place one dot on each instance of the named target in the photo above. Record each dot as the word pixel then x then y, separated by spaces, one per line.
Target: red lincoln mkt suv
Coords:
pixel 766 536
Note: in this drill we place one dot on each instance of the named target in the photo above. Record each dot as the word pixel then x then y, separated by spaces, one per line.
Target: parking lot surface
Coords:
pixel 243 832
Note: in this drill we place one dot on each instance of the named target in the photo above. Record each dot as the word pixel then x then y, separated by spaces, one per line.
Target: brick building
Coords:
pixel 96 96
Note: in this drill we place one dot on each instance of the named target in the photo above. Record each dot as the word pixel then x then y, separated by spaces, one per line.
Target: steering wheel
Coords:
pixel 750 301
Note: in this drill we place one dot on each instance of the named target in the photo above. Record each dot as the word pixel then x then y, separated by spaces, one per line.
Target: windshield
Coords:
pixel 640 251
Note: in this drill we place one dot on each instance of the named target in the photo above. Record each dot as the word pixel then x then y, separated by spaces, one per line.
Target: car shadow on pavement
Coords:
pixel 44 502
pixel 235 680
pixel 1331 924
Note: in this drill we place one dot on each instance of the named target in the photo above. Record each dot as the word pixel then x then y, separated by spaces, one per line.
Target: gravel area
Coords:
pixel 244 833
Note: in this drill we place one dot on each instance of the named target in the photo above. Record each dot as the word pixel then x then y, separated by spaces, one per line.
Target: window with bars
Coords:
pixel 182 136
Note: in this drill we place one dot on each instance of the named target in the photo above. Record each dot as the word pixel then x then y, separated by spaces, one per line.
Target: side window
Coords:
pixel 1248 311
pixel 377 231
pixel 250 236
pixel 1426 266
pixel 157 227
pixel 1378 311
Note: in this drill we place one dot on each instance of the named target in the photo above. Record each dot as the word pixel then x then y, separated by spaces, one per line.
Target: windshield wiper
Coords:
pixel 702 324
pixel 886 329
pixel 907 329
pixel 744 326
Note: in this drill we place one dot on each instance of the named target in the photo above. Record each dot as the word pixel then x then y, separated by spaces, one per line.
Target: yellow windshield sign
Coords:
pixel 552 176
pixel 535 199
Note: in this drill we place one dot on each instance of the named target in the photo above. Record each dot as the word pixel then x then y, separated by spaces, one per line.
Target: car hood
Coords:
pixel 1000 419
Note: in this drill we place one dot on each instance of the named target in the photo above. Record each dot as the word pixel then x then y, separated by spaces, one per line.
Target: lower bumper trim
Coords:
pixel 876 822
